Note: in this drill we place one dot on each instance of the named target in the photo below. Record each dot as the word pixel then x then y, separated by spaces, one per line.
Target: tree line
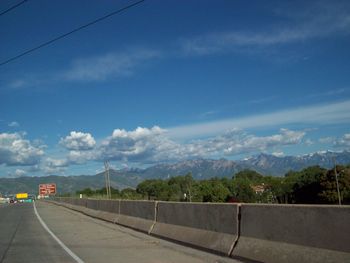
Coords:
pixel 312 185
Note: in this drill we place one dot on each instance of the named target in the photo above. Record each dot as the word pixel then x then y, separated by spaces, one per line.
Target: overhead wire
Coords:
pixel 70 32
pixel 13 7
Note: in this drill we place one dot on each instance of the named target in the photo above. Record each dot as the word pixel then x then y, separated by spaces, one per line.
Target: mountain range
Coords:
pixel 265 164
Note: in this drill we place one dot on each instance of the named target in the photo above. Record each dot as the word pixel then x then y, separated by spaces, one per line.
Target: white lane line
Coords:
pixel 70 252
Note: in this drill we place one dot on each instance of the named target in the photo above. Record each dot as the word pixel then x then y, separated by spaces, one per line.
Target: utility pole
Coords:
pixel 107 179
pixel 105 174
pixel 336 179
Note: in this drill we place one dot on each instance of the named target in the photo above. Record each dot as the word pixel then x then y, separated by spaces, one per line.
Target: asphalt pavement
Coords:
pixel 24 239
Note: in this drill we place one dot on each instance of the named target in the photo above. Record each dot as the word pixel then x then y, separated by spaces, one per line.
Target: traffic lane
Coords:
pixel 95 240
pixel 9 221
pixel 23 239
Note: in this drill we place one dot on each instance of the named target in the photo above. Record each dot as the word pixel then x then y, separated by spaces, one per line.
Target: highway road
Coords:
pixel 50 233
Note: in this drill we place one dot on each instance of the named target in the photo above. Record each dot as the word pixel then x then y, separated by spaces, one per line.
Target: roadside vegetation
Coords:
pixel 313 185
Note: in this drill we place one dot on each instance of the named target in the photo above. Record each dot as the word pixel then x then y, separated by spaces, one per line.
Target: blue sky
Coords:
pixel 171 80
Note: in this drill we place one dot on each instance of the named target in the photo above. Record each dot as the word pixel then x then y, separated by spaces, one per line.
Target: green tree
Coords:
pixel 250 175
pixel 307 186
pixel 212 190
pixel 240 189
pixel 129 194
pixel 329 193
pixel 181 187
pixel 154 189
pixel 274 189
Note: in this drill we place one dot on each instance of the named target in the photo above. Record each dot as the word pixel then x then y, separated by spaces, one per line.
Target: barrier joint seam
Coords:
pixel 239 216
pixel 115 221
pixel 155 217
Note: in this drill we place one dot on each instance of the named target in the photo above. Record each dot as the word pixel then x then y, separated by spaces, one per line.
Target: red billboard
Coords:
pixel 47 189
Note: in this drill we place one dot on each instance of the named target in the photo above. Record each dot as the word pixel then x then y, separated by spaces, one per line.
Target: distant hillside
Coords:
pixel 67 184
pixel 201 169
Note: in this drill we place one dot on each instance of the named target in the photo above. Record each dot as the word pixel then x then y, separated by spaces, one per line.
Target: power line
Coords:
pixel 13 7
pixel 70 32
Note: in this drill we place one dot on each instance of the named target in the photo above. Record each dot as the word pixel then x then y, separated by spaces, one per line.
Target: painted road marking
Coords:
pixel 70 252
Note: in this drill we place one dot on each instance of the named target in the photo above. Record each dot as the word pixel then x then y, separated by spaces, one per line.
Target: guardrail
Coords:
pixel 253 232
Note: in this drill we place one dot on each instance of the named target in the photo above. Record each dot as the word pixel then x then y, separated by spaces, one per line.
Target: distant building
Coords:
pixel 259 189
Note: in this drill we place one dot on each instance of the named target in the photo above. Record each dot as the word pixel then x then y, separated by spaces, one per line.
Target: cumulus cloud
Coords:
pixel 343 141
pixel 142 144
pixel 278 154
pixel 237 142
pixel 153 145
pixel 53 166
pixel 78 141
pixel 20 172
pixel 54 163
pixel 17 173
pixel 15 150
pixel 81 157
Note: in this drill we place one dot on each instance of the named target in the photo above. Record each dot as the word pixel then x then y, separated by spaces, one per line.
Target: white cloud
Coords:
pixel 52 166
pixel 78 141
pixel 13 124
pixel 15 150
pixel 110 65
pixel 20 172
pixel 81 148
pixel 142 144
pixel 324 114
pixel 325 140
pixel 153 145
pixel 54 163
pixel 17 84
pixel 308 142
pixel 145 145
pixel 343 141
pixel 237 142
pixel 213 139
pixel 81 157
pixel 278 154
pixel 17 173
pixel 317 21
pixel 49 170
pixel 329 93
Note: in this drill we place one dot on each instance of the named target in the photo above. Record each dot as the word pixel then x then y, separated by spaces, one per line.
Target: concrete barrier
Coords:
pixel 68 202
pixel 72 203
pixel 103 209
pixel 208 226
pixel 294 233
pixel 250 232
pixel 91 209
pixel 78 204
pixel 92 204
pixel 108 210
pixel 139 215
pixel 81 202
